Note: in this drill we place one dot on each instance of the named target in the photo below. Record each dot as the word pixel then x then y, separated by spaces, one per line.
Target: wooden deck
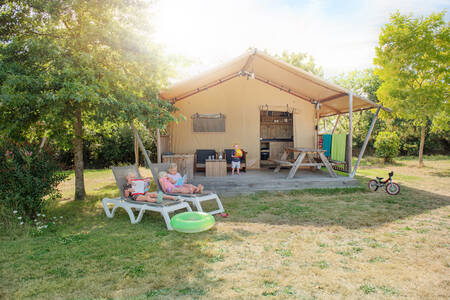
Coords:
pixel 266 180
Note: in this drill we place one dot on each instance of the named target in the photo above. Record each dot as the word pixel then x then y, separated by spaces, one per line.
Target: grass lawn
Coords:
pixel 311 244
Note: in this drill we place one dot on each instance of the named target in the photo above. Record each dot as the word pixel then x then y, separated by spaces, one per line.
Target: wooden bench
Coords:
pixel 303 152
pixel 283 163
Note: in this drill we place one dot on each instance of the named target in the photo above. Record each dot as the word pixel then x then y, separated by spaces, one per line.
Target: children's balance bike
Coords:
pixel 390 187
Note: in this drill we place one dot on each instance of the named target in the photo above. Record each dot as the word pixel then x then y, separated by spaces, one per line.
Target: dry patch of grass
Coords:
pixel 313 244
pixel 340 247
pixel 434 177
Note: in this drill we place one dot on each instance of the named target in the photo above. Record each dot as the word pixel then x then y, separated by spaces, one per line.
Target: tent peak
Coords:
pixel 270 70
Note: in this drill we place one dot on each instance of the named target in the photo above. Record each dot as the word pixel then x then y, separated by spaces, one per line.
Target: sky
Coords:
pixel 340 35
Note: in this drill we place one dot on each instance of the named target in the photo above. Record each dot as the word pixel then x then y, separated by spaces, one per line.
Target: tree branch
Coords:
pixel 65 24
pixel 32 32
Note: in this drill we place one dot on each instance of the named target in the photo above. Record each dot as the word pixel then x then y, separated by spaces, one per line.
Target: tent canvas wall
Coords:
pixel 240 101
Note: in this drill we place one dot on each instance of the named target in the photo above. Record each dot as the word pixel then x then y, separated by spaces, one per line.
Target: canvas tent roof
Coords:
pixel 259 66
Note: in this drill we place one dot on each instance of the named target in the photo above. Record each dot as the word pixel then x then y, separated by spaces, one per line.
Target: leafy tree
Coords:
pixel 387 145
pixel 302 61
pixel 412 59
pixel 68 65
pixel 364 83
pixel 298 59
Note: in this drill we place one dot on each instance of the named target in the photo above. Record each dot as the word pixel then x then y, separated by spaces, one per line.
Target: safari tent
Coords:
pixel 256 101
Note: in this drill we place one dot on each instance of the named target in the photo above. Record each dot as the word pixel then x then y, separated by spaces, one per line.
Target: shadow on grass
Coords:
pixel 92 256
pixel 108 190
pixel 351 208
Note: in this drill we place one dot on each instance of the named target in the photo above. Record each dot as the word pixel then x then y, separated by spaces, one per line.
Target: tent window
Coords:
pixel 208 122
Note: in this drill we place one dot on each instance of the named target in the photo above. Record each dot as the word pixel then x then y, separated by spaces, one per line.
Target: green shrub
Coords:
pixel 116 147
pixel 387 145
pixel 410 149
pixel 28 179
pixel 112 146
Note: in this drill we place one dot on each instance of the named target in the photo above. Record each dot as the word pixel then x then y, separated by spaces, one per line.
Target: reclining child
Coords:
pixel 170 182
pixel 146 196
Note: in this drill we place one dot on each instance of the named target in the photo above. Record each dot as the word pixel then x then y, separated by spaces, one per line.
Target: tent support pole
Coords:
pixel 350 133
pixel 335 123
pixel 316 129
pixel 141 145
pixel 158 145
pixel 366 141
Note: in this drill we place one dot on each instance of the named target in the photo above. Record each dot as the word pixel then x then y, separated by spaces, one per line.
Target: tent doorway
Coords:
pixel 276 133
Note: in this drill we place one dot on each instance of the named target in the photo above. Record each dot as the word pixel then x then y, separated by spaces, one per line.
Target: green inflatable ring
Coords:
pixel 192 221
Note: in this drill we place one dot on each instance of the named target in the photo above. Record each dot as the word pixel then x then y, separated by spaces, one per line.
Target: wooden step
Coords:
pixel 235 187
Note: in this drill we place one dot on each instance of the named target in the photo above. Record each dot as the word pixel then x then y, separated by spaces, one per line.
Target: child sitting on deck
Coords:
pixel 130 193
pixel 169 184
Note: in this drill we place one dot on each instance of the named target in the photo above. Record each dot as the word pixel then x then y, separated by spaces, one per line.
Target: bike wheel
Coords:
pixel 392 188
pixel 373 185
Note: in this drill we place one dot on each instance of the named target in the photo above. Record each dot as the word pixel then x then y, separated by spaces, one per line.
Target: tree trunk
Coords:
pixel 41 146
pixel 158 146
pixel 78 156
pixel 136 150
pixel 422 142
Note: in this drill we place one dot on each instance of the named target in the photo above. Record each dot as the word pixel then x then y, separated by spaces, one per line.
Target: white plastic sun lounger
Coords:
pixel 166 207
pixel 195 199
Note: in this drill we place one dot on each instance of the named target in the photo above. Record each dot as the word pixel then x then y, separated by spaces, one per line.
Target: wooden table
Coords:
pixel 304 152
pixel 216 167
pixel 185 164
